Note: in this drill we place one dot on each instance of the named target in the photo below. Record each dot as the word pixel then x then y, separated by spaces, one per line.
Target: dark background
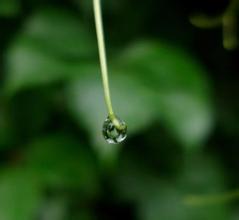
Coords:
pixel 173 83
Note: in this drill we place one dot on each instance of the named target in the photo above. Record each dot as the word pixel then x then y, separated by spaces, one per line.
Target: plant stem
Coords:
pixel 103 64
pixel 198 200
pixel 102 55
pixel 229 23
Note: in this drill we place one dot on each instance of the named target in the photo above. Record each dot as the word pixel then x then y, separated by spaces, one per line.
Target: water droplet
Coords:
pixel 111 133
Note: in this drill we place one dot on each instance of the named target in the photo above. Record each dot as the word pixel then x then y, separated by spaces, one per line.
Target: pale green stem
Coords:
pixel 103 63
pixel 102 55
pixel 198 200
pixel 229 22
pixel 229 32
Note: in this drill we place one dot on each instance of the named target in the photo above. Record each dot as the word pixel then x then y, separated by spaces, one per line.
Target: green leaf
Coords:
pixel 28 67
pixel 168 67
pixel 9 8
pixel 235 214
pixel 188 117
pixel 20 195
pixel 61 162
pixel 61 33
pixel 51 48
pixel 201 174
pixel 167 203
pixel 182 91
pixel 54 209
pixel 156 197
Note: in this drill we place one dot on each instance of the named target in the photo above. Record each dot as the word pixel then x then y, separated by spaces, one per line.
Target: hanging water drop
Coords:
pixel 114 129
pixel 113 133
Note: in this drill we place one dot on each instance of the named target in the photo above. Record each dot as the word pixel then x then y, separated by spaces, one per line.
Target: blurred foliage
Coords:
pixel 174 85
pixel 9 8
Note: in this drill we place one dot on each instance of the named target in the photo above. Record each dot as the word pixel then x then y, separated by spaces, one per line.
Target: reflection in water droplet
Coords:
pixel 112 134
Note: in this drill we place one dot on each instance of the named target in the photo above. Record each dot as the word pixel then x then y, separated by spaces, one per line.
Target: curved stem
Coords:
pixel 229 23
pixel 102 55
pixel 197 200
pixel 229 32
pixel 103 64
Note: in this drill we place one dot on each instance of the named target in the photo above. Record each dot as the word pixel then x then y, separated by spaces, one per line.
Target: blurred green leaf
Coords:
pixel 201 174
pixel 61 162
pixel 188 117
pixel 20 195
pixel 182 91
pixel 61 33
pixel 52 47
pixel 168 67
pixel 158 198
pixel 236 214
pixel 167 203
pixel 28 67
pixel 9 8
pixel 54 209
